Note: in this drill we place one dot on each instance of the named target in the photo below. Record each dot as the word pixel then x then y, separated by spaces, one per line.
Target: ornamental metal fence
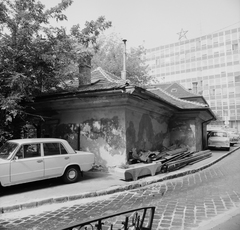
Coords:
pixel 134 219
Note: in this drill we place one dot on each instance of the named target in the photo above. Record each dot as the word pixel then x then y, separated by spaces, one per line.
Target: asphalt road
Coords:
pixel 196 201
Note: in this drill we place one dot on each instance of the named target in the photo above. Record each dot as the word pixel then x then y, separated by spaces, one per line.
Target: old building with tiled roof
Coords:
pixel 110 116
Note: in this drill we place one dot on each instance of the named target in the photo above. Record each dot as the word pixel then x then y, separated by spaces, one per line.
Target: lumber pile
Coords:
pixel 182 159
pixel 171 159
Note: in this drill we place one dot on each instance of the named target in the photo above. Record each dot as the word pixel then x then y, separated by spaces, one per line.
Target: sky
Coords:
pixel 153 23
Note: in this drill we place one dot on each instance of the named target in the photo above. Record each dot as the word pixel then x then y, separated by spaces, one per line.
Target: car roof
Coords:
pixel 34 140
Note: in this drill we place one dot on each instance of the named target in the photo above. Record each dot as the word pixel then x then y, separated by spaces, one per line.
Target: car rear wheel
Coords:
pixel 71 174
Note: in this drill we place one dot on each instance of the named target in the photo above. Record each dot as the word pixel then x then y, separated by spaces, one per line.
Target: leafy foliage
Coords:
pixel 109 56
pixel 36 57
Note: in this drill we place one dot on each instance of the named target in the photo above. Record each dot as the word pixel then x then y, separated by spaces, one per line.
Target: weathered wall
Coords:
pixel 198 134
pixel 183 131
pixel 100 131
pixel 146 130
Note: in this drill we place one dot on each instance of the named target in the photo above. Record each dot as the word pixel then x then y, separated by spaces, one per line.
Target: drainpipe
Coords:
pixel 123 73
pixel 202 130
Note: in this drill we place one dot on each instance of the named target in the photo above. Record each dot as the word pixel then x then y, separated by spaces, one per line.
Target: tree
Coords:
pixel 109 56
pixel 36 57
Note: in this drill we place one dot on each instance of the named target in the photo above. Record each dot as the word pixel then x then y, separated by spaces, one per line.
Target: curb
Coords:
pixel 133 185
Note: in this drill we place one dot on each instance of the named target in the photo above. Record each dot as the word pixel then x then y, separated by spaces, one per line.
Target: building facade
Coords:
pixel 207 65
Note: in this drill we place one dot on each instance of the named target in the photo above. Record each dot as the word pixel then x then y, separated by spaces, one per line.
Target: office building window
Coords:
pixel 229 48
pixel 192 55
pixel 221 40
pixel 225 102
pixel 232 102
pixel 234 36
pixel 205 92
pixel 177 58
pixel 238 103
pixel 215 40
pixel 198 44
pixel 231 90
pixel 235 46
pixel 216 61
pixel 204 63
pixel 212 103
pixel 198 54
pixel 219 103
pixel 218 92
pixel 236 57
pixel 176 49
pixel 212 92
pixel 227 37
pixel 224 90
pixel 232 113
pixel 210 62
pixel 222 60
pixel 209 41
pixel 237 79
pixel 229 58
pixel 210 51
pixel 205 83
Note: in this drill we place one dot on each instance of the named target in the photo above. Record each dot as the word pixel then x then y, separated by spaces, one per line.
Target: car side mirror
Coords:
pixel 15 158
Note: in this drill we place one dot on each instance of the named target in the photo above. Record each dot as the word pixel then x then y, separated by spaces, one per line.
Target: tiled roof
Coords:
pixel 180 103
pixel 177 90
pixel 99 76
pixel 104 81
pixel 103 77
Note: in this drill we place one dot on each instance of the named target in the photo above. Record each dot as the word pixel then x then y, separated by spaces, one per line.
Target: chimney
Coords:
pixel 195 83
pixel 123 73
pixel 84 67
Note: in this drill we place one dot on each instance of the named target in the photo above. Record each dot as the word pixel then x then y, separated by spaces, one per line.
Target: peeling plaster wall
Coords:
pixel 183 131
pixel 146 130
pixel 199 136
pixel 100 131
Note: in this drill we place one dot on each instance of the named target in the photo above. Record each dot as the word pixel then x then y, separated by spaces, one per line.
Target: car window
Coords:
pixel 51 149
pixel 29 151
pixel 7 149
pixel 219 134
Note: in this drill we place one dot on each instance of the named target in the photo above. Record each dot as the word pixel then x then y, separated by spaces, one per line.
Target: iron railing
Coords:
pixel 134 219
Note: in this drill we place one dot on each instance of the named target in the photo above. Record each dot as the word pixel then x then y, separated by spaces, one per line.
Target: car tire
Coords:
pixel 71 174
pixel 228 148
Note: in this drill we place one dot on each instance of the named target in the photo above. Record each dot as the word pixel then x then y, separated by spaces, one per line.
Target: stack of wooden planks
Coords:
pixel 181 157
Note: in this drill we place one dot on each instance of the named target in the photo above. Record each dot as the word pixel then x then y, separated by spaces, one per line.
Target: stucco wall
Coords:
pixel 146 130
pixel 100 131
pixel 183 131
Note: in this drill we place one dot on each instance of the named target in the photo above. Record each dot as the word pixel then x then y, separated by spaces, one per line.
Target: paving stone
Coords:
pixel 182 203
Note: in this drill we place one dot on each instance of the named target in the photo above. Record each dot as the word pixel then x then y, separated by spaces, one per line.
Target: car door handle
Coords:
pixel 66 158
pixel 39 161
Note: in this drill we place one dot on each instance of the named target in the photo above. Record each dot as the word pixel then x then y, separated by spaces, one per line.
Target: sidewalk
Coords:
pixel 96 184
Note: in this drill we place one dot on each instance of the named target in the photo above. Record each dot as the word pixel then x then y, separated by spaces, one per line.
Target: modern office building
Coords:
pixel 207 65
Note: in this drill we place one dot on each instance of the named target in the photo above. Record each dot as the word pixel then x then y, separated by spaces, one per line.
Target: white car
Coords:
pixel 27 160
pixel 234 138
pixel 218 139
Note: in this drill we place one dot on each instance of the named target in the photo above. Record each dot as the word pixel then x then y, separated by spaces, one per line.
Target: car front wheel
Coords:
pixel 71 174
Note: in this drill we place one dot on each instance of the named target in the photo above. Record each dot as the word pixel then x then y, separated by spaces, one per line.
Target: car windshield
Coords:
pixel 219 134
pixel 7 149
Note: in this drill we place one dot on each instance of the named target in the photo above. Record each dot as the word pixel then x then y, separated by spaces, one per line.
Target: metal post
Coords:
pixel 124 60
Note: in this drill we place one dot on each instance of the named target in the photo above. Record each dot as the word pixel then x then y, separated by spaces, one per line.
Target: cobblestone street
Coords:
pixel 183 203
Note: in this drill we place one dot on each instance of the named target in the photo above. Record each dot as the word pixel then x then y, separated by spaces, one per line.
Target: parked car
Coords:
pixel 27 160
pixel 218 139
pixel 234 138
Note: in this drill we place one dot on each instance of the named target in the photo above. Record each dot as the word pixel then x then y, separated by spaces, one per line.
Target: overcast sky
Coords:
pixel 155 22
